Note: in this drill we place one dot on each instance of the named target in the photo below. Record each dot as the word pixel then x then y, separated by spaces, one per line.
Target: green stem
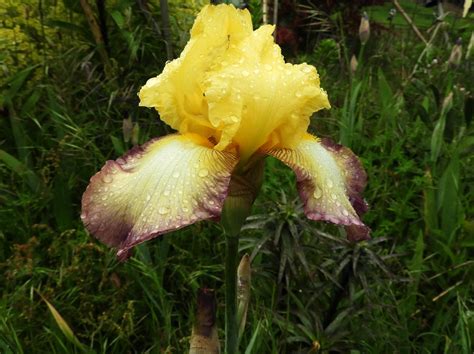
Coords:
pixel 231 261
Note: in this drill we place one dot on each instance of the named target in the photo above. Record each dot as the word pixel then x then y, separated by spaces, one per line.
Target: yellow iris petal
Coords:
pixel 257 100
pixel 178 92
pixel 165 185
pixel 232 84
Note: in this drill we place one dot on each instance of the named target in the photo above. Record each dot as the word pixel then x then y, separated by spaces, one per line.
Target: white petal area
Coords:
pixel 164 185
pixel 330 180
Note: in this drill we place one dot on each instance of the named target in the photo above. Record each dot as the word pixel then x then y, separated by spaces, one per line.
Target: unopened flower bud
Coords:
pixel 456 54
pixel 135 134
pixel 447 103
pixel 127 128
pixel 204 338
pixel 364 28
pixel 354 64
pixel 470 47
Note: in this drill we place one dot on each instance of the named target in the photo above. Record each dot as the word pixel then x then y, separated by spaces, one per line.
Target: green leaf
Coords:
pixel 18 167
pixel 118 145
pixel 449 203
pixel 63 325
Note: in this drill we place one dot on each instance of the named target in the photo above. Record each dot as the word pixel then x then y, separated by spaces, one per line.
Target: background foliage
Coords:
pixel 69 103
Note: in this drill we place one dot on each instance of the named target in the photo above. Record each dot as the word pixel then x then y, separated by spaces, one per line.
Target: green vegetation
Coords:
pixel 69 103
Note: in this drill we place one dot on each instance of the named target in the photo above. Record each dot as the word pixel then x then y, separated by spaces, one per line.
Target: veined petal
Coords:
pixel 164 185
pixel 257 100
pixel 330 182
pixel 177 93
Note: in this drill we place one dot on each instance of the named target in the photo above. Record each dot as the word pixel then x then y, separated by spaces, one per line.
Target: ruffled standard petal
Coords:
pixel 164 185
pixel 257 100
pixel 177 93
pixel 330 182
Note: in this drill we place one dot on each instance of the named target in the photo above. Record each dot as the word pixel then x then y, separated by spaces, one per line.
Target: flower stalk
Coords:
pixel 235 211
pixel 231 327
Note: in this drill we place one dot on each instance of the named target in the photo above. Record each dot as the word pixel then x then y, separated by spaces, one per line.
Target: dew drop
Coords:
pixel 245 73
pixel 166 193
pixel 203 172
pixel 163 210
pixel 318 193
pixel 298 94
pixel 234 119
pixel 211 202
pixel 148 197
pixel 306 69
pixel 345 212
pixel 107 178
pixel 329 183
pixel 176 174
pixel 333 196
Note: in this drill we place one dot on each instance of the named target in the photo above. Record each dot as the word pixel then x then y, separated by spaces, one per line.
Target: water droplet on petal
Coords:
pixel 203 172
pixel 333 196
pixel 245 73
pixel 329 183
pixel 318 193
pixel 107 178
pixel 307 69
pixel 176 174
pixel 148 197
pixel 163 210
pixel 234 119
pixel 345 212
pixel 166 193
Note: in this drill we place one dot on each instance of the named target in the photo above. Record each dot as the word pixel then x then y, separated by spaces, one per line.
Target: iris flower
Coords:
pixel 233 101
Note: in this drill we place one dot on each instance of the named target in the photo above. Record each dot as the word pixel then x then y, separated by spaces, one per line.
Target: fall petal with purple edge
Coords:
pixel 164 185
pixel 330 180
